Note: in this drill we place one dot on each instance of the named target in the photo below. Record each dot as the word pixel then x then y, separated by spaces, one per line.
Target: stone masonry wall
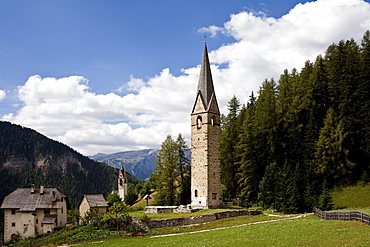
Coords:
pixel 197 219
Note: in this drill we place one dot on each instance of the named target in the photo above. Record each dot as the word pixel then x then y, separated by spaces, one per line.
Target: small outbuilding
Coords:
pixel 93 201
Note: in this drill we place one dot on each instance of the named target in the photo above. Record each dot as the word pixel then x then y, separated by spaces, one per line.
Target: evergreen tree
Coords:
pixel 364 98
pixel 247 174
pixel 229 141
pixel 331 155
pixel 184 171
pixel 293 201
pixel 271 188
pixel 325 199
pixel 131 196
pixel 171 177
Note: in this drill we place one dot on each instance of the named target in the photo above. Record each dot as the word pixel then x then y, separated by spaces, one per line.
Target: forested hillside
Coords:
pixel 302 134
pixel 27 157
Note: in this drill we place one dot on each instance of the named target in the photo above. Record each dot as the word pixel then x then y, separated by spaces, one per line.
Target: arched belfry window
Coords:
pixel 213 121
pixel 199 122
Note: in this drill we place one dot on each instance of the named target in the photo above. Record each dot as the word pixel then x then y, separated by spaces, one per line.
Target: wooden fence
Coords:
pixel 338 215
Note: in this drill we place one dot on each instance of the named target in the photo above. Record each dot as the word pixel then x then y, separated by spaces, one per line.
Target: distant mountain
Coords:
pixel 27 157
pixel 140 163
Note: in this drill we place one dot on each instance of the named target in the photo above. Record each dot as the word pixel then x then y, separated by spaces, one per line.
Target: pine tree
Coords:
pixel 184 171
pixel 247 174
pixel 229 141
pixel 165 176
pixel 325 199
pixel 271 188
pixel 331 155
pixel 171 177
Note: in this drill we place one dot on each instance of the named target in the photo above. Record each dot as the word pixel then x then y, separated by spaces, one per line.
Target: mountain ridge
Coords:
pixel 139 163
pixel 28 157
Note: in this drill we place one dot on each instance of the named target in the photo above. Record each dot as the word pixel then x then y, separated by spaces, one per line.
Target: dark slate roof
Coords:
pixel 24 200
pixel 205 84
pixel 49 219
pixel 96 200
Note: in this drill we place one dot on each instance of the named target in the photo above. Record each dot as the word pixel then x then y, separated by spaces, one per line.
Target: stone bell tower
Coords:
pixel 122 183
pixel 205 142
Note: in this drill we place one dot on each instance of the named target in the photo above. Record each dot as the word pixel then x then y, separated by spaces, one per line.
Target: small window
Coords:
pixel 196 193
pixel 13 224
pixel 214 196
pixel 37 221
pixel 213 121
pixel 199 122
pixel 62 209
pixel 13 211
pixel 47 211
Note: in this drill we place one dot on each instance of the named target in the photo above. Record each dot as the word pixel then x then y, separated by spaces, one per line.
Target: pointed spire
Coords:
pixel 205 84
pixel 123 172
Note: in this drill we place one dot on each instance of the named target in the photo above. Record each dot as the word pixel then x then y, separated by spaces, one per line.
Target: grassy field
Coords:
pixel 276 230
pixel 305 231
pixel 352 197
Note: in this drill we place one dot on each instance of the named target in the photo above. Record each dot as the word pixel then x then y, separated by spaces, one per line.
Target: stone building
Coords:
pixel 122 183
pixel 205 142
pixel 93 201
pixel 30 211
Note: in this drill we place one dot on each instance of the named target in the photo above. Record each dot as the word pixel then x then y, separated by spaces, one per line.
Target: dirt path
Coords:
pixel 247 224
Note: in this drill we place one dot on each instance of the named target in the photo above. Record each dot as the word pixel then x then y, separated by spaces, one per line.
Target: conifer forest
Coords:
pixel 301 135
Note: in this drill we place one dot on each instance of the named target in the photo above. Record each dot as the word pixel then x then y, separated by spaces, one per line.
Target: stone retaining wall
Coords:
pixel 197 219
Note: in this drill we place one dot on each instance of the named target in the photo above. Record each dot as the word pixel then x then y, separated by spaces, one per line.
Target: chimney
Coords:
pixel 54 196
pixel 33 189
pixel 41 189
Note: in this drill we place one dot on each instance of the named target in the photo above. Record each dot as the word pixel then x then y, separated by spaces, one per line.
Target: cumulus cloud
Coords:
pixel 2 95
pixel 65 109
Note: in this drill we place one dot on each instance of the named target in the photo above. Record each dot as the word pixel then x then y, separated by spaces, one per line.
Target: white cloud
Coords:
pixel 65 109
pixel 2 95
pixel 213 30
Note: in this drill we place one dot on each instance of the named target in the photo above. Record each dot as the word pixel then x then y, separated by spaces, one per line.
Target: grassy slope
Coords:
pixel 308 231
pixel 352 197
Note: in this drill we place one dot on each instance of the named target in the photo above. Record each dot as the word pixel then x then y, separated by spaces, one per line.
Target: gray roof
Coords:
pixel 24 200
pixel 205 84
pixel 96 200
pixel 49 219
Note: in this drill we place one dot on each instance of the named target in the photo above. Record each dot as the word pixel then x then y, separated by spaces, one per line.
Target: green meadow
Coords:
pixel 305 231
pixel 268 229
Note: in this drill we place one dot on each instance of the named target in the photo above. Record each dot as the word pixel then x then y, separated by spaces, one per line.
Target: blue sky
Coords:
pixel 109 76
pixel 110 40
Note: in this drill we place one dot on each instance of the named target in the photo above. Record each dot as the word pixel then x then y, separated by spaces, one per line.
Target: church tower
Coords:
pixel 122 183
pixel 205 142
